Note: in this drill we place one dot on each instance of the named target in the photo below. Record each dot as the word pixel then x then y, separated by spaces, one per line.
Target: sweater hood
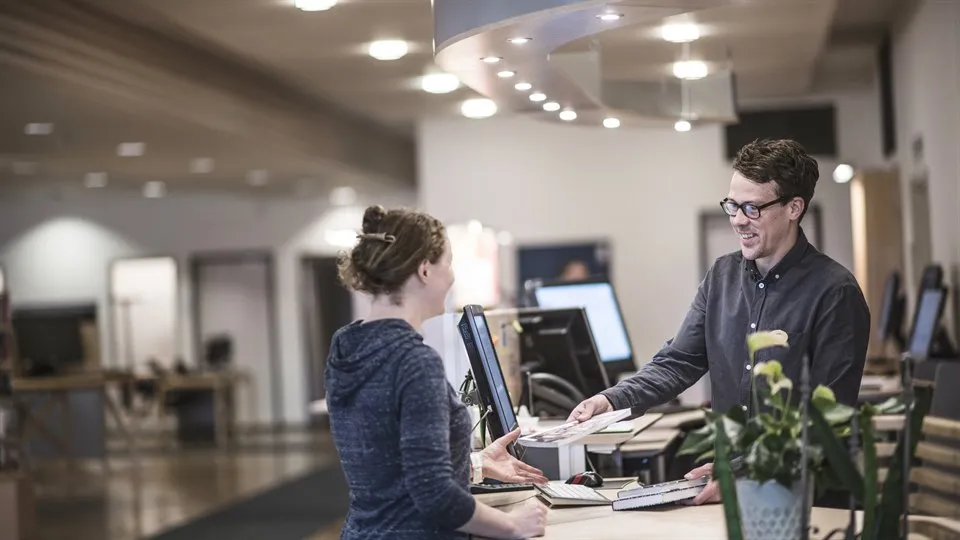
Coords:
pixel 360 350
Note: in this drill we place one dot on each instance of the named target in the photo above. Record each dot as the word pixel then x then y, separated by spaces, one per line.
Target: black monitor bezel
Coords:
pixel 615 367
pixel 940 293
pixel 890 323
pixel 478 368
pixel 574 315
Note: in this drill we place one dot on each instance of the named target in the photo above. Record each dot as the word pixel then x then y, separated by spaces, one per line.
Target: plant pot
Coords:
pixel 770 511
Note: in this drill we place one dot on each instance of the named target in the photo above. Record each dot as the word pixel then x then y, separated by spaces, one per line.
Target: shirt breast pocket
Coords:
pixel 790 358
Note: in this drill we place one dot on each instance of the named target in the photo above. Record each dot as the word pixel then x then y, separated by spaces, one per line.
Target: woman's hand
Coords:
pixel 498 464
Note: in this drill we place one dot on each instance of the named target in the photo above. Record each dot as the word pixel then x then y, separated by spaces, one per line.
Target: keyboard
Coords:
pixel 563 494
pixel 479 489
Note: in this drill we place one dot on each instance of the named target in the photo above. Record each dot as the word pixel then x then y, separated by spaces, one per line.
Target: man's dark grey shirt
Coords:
pixel 811 297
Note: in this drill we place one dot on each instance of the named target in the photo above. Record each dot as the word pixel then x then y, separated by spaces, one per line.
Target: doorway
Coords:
pixel 235 300
pixel 327 306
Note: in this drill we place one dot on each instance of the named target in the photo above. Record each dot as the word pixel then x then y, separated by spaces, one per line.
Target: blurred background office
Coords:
pixel 178 177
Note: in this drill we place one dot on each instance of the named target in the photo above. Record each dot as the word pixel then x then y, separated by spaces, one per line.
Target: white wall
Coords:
pixel 60 249
pixel 927 97
pixel 643 189
pixel 144 300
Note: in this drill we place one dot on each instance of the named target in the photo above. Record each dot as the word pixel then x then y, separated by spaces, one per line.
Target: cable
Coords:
pixel 511 503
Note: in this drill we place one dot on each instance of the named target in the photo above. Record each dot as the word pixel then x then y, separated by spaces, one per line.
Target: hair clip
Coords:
pixel 383 237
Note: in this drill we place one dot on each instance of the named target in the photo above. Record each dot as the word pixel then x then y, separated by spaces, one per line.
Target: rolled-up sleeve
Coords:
pixel 428 473
pixel 678 365
pixel 839 345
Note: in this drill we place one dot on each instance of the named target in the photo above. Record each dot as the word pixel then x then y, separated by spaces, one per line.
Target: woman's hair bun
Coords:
pixel 372 218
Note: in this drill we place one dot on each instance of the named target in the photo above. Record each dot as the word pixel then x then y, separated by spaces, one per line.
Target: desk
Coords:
pixel 220 384
pixel 670 521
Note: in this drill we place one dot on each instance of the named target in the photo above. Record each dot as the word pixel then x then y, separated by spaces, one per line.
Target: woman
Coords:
pixel 401 431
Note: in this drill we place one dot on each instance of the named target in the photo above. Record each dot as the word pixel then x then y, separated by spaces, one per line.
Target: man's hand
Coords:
pixel 589 408
pixel 710 493
pixel 500 465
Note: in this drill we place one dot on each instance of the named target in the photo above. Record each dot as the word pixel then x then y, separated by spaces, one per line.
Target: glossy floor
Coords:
pixel 168 488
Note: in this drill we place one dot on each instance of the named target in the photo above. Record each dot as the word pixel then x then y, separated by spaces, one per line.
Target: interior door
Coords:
pixel 328 306
pixel 234 297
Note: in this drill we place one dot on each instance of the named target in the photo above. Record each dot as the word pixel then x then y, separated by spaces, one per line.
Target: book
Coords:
pixel 572 431
pixel 657 494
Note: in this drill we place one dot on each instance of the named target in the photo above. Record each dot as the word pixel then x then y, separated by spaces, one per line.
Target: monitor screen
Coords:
pixel 491 384
pixel 560 342
pixel 889 318
pixel 927 322
pixel 603 313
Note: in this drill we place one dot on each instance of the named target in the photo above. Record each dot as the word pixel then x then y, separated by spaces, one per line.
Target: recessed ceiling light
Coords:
pixel 609 16
pixel 388 49
pixel 551 106
pixel 568 115
pixel 537 97
pixel 314 5
pixel 478 108
pixel 24 168
pixel 343 196
pixel 843 173
pixel 682 125
pixel 690 69
pixel 506 74
pixel 523 86
pixel 154 189
pixel 519 40
pixel 131 149
pixel 611 123
pixel 491 59
pixel 202 165
pixel 258 177
pixel 95 180
pixel 38 128
pixel 680 32
pixel 439 83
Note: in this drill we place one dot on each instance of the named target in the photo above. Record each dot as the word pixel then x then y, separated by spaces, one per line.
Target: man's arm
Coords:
pixel 676 367
pixel 839 345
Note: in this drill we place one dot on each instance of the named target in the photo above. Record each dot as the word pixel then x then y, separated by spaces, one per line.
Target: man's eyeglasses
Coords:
pixel 751 210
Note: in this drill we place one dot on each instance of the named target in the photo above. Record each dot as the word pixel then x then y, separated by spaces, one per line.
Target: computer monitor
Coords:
pixel 604 315
pixel 485 366
pixel 927 323
pixel 891 312
pixel 49 338
pixel 560 342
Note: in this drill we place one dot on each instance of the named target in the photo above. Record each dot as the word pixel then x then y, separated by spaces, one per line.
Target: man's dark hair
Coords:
pixel 782 161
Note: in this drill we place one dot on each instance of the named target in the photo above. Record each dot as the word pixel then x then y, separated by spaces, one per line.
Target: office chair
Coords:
pixel 219 352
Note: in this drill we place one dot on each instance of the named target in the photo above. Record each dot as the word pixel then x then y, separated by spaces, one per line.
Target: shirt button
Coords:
pixel 776 276
pixel 744 407
pixel 761 285
pixel 753 325
pixel 748 367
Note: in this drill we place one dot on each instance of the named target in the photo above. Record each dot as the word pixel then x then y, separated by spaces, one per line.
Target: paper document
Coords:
pixel 572 431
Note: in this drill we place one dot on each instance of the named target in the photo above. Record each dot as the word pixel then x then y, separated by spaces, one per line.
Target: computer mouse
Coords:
pixel 588 478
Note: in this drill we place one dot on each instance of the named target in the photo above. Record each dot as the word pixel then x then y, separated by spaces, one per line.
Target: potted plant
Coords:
pixel 758 461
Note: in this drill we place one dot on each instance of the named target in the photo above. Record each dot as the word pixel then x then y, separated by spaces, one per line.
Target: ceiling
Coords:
pixel 258 85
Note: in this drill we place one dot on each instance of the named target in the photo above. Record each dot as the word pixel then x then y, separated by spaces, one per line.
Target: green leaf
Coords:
pixel 723 472
pixel 837 414
pixel 772 370
pixel 891 502
pixel 836 454
pixel 698 441
pixel 822 397
pixel 893 405
pixel 869 474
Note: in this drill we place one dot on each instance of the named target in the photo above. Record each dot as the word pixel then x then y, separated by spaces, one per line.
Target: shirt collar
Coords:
pixel 786 263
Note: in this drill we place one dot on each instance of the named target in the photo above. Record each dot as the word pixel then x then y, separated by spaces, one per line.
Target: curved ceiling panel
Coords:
pixel 584 61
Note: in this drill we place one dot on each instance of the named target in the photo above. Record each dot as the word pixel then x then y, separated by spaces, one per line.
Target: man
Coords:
pixel 776 281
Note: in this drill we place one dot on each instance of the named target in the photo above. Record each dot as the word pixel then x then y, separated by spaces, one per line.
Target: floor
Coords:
pixel 170 486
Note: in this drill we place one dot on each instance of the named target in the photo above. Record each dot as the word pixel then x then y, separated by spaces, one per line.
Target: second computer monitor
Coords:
pixel 927 323
pixel 603 313
pixel 560 342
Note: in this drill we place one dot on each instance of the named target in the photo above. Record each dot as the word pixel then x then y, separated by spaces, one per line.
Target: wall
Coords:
pixel 641 188
pixel 927 98
pixel 144 298
pixel 59 249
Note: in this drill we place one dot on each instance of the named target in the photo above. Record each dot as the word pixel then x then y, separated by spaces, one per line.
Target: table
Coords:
pixel 704 522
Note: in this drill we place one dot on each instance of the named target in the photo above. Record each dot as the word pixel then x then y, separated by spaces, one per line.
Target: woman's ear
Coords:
pixel 423 271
